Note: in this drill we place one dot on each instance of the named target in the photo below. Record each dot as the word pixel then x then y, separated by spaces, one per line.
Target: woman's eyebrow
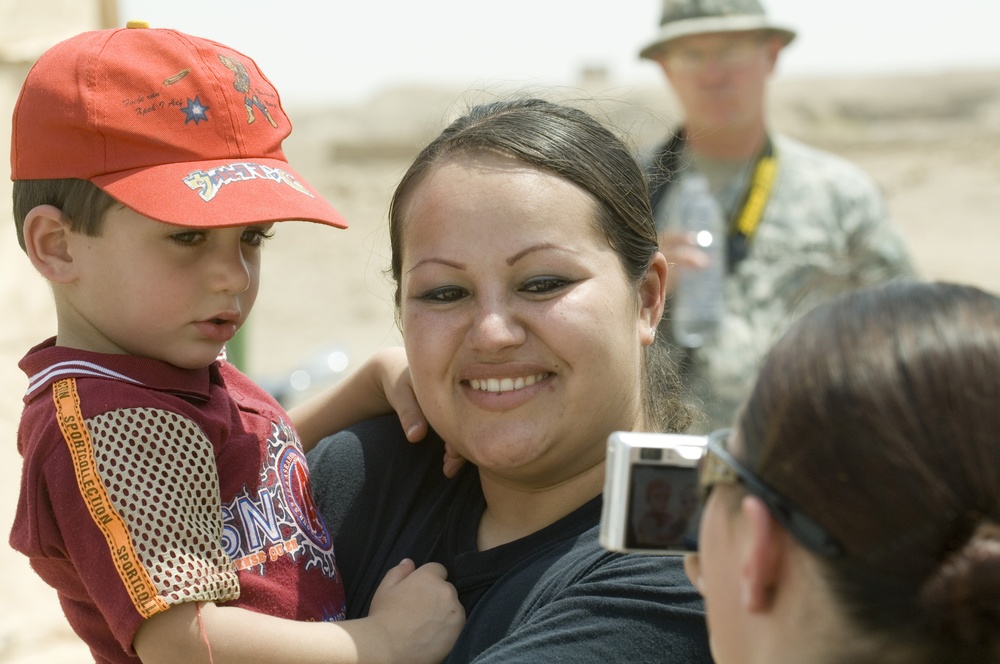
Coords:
pixel 438 261
pixel 538 247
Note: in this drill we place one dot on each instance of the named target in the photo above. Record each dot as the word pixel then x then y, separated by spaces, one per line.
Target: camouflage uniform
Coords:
pixel 826 229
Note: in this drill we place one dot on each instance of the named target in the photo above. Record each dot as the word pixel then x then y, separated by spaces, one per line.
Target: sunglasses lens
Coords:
pixel 694 535
pixel 703 487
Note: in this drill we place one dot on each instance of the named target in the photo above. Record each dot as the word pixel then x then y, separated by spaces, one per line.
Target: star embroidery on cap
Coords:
pixel 194 110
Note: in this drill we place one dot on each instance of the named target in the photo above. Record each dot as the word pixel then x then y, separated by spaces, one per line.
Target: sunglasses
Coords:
pixel 717 466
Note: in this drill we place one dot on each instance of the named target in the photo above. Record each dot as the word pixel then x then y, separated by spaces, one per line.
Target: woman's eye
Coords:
pixel 444 294
pixel 544 284
pixel 256 236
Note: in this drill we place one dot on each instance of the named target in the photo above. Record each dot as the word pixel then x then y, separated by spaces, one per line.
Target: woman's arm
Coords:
pixel 598 609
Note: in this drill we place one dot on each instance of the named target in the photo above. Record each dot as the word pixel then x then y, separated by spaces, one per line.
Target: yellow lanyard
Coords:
pixel 747 216
pixel 757 195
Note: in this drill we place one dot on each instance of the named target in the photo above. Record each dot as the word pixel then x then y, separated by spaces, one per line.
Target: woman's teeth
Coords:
pixel 504 384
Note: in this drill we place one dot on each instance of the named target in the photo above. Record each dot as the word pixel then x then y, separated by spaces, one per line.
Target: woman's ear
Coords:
pixel 47 243
pixel 652 293
pixel 765 556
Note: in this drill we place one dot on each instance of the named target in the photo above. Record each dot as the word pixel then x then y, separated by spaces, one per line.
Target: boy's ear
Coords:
pixel 652 293
pixel 765 556
pixel 47 243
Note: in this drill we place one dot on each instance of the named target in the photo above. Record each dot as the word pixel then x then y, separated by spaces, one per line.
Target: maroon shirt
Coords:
pixel 145 485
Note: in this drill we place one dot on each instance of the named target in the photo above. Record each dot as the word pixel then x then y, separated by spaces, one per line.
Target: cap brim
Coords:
pixel 218 193
pixel 712 24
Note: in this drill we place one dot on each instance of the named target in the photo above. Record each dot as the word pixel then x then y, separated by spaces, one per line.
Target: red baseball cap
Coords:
pixel 178 128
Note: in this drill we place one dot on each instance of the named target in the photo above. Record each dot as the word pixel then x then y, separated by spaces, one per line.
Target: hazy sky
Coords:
pixel 340 51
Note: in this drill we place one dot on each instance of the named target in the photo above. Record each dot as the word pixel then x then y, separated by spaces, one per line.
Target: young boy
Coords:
pixel 164 495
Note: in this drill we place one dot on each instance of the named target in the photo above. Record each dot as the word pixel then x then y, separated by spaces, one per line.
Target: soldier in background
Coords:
pixel 803 224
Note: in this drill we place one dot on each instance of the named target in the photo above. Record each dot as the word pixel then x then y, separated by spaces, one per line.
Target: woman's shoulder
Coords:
pixel 592 606
pixel 375 444
pixel 571 555
pixel 382 428
pixel 372 452
pixel 380 436
pixel 594 564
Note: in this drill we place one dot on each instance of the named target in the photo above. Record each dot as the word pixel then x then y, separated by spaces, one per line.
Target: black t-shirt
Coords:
pixel 553 596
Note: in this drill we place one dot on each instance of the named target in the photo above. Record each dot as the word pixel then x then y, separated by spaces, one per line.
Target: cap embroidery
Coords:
pixel 209 183
pixel 194 110
pixel 176 77
pixel 242 84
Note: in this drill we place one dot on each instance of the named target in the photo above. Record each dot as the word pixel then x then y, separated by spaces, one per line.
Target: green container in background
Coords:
pixel 236 350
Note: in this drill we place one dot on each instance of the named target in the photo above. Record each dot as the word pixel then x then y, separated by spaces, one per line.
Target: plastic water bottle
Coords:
pixel 698 303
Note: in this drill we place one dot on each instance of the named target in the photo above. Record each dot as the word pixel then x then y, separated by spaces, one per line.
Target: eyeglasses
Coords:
pixel 735 54
pixel 719 467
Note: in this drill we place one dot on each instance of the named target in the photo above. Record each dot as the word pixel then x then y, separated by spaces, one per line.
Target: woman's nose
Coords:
pixel 495 327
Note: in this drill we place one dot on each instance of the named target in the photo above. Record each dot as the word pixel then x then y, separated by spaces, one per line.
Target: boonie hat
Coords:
pixel 181 129
pixel 695 17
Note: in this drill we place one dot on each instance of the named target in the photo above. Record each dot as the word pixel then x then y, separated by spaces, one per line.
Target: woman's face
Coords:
pixel 715 573
pixel 715 570
pixel 523 334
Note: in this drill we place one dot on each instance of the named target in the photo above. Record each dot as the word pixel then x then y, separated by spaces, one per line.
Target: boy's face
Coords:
pixel 167 292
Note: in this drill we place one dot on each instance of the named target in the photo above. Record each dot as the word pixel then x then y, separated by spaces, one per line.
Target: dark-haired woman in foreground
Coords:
pixel 854 512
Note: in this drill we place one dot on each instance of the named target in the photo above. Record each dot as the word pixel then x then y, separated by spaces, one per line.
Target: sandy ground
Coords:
pixel 932 142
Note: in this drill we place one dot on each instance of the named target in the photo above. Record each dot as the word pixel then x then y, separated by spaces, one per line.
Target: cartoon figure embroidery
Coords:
pixel 242 84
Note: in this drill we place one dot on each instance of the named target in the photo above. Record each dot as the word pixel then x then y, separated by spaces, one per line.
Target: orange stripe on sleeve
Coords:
pixel 134 576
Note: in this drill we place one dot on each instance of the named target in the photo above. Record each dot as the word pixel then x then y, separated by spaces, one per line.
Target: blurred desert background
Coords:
pixel 932 141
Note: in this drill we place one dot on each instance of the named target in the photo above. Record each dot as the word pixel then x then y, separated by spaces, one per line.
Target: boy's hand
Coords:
pixel 393 369
pixel 398 388
pixel 415 618
pixel 453 461
pixel 380 385
pixel 418 612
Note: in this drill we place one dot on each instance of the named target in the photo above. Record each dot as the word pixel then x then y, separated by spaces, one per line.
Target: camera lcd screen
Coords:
pixel 663 509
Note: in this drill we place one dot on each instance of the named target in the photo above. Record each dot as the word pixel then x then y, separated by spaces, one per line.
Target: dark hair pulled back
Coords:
pixel 877 414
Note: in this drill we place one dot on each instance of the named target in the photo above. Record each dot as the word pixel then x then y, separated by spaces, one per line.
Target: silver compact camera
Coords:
pixel 651 493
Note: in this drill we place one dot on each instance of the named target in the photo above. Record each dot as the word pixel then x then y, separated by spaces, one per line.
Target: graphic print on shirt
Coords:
pixel 280 518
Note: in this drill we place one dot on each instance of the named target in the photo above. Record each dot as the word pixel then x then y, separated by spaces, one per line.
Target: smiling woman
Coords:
pixel 513 297
pixel 529 287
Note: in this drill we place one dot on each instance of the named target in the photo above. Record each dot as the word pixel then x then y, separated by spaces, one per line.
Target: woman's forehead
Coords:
pixel 491 186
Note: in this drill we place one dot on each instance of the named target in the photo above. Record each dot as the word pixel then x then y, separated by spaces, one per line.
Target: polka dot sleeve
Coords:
pixel 158 473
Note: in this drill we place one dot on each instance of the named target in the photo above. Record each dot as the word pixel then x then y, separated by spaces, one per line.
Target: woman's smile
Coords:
pixel 505 384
